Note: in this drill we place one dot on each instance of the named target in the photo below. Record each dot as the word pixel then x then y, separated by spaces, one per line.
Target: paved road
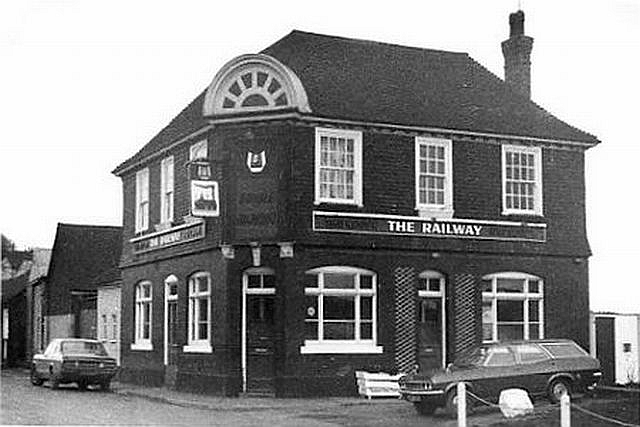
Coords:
pixel 22 403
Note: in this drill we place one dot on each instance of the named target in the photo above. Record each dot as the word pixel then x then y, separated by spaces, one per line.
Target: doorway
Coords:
pixel 431 321
pixel 171 347
pixel 258 318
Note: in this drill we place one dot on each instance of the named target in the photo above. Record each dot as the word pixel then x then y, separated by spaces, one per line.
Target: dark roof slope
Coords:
pixel 384 83
pixel 81 253
pixel 15 285
pixel 189 120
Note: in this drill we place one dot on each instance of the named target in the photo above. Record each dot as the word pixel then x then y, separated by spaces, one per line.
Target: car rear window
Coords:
pixel 83 347
pixel 530 354
pixel 565 349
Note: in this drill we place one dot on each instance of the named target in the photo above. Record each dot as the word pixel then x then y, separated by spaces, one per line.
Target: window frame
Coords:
pixel 167 185
pixel 356 345
pixel 537 190
pixel 198 344
pixel 435 210
pixel 525 297
pixel 142 200
pixel 140 341
pixel 357 165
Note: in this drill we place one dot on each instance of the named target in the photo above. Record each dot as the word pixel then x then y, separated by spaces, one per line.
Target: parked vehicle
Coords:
pixel 74 360
pixel 541 367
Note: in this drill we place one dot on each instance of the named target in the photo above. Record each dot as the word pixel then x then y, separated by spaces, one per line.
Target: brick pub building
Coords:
pixel 330 205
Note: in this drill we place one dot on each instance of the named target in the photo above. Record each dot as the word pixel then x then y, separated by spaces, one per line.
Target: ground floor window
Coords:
pixel 512 307
pixel 340 310
pixel 199 333
pixel 144 297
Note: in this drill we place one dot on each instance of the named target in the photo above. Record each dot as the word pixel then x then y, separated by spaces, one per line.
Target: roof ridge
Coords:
pixel 370 42
pixel 66 224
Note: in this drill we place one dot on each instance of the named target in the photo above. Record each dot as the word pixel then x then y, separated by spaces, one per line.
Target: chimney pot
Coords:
pixel 516 24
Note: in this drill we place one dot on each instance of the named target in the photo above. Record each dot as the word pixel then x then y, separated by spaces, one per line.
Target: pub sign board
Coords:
pixel 163 239
pixel 205 198
pixel 339 222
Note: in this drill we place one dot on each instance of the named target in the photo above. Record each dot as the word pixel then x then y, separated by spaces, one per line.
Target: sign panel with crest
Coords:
pixel 205 198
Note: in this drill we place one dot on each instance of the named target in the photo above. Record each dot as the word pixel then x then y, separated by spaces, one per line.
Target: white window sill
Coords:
pixel 522 213
pixel 339 348
pixel 338 202
pixel 143 346
pixel 438 213
pixel 198 348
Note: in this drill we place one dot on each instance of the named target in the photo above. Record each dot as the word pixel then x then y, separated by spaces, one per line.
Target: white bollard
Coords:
pixel 565 410
pixel 462 404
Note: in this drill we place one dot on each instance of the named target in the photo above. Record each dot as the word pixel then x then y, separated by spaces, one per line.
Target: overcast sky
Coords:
pixel 84 84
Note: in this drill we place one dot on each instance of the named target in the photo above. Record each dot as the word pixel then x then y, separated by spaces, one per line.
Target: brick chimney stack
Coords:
pixel 517 55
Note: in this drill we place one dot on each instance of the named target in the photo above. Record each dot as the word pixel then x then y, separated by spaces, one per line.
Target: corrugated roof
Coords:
pixel 377 82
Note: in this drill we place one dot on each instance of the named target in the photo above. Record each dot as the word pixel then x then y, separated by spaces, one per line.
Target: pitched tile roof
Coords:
pixel 384 83
pixel 81 253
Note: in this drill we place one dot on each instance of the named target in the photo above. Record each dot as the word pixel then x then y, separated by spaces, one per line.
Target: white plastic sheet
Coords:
pixel 515 402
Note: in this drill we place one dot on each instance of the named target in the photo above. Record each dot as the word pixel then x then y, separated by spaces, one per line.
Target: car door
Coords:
pixel 534 366
pixel 500 371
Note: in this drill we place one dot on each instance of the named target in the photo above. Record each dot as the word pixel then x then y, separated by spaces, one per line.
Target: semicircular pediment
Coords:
pixel 251 83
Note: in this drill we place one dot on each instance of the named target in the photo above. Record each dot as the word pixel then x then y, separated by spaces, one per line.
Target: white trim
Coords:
pixel 140 342
pixel 525 297
pixel 444 210
pixel 348 347
pixel 141 219
pixel 262 271
pixel 224 78
pixel 355 345
pixel 198 343
pixel 431 274
pixel 449 131
pixel 170 230
pixel 171 279
pixel 538 208
pixel 409 218
pixel 357 165
pixel 197 347
pixel 167 168
pixel 142 346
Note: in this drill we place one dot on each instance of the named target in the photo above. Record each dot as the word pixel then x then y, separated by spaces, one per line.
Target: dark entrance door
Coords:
pixel 258 330
pixel 172 348
pixel 260 345
pixel 430 321
pixel 605 348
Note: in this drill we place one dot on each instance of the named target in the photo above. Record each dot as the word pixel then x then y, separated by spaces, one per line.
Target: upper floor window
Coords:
pixel 512 307
pixel 142 200
pixel 521 180
pixel 166 190
pixel 199 326
pixel 199 150
pixel 142 316
pixel 434 177
pixel 338 166
pixel 340 308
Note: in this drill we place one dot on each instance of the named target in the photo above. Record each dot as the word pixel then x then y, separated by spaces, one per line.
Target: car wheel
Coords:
pixel 105 385
pixel 82 385
pixel 452 403
pixel 35 379
pixel 557 388
pixel 424 408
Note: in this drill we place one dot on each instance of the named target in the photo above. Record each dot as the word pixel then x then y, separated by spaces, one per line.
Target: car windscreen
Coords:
pixel 83 347
pixel 564 349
